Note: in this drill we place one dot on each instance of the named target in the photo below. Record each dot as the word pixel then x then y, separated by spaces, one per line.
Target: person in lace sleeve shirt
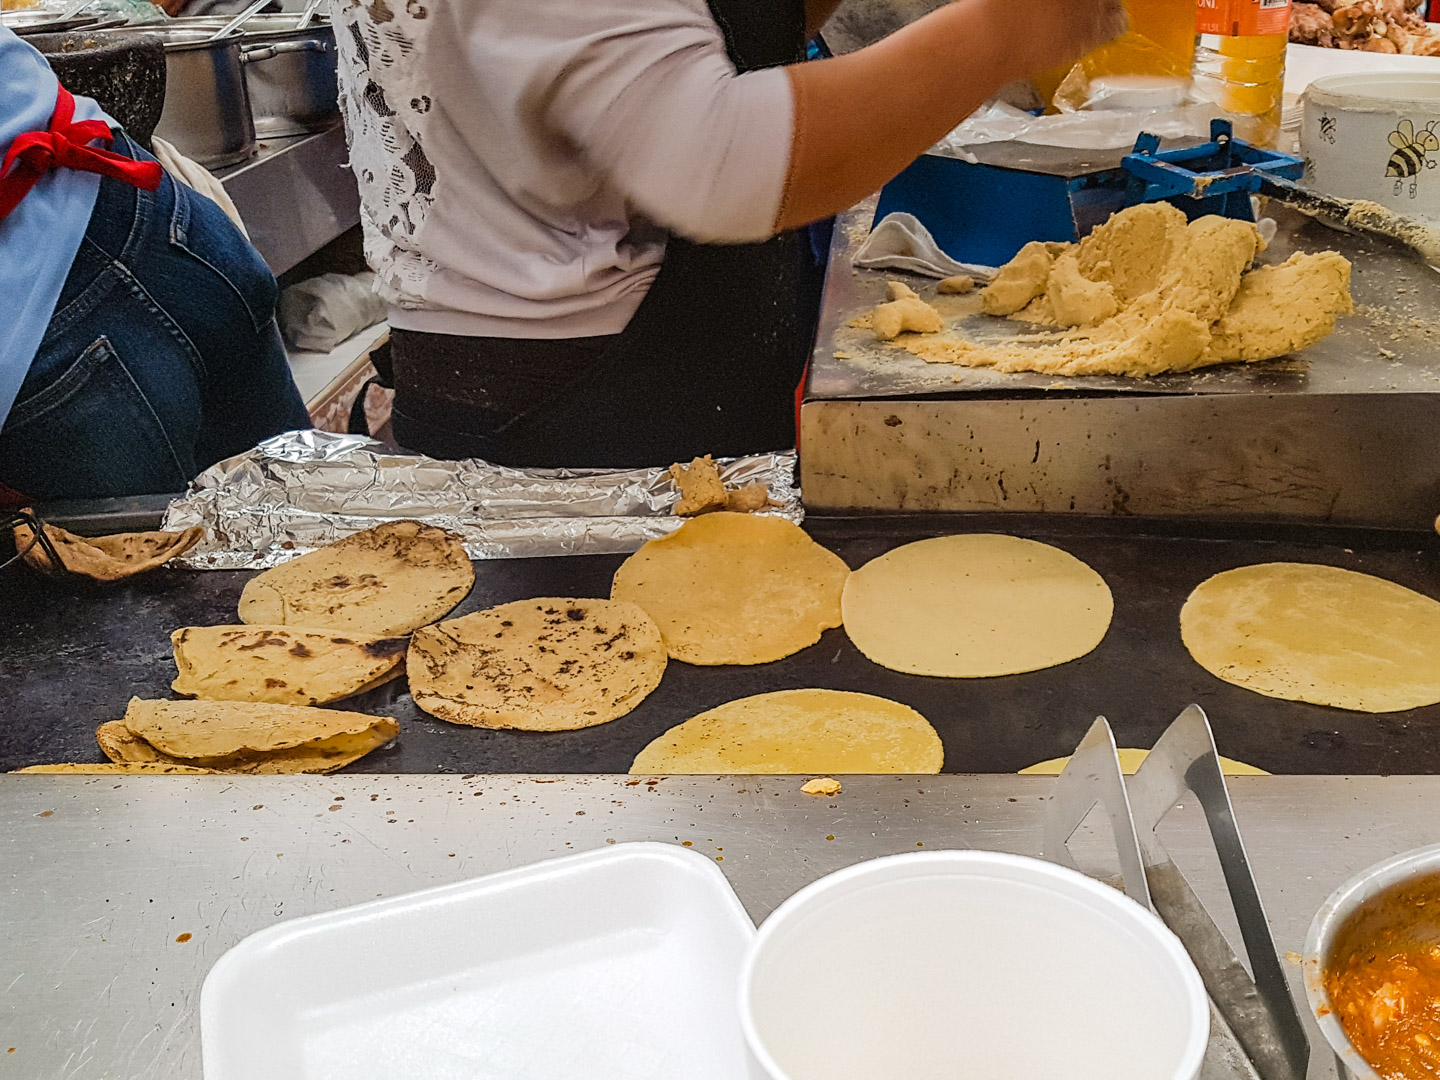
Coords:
pixel 594 223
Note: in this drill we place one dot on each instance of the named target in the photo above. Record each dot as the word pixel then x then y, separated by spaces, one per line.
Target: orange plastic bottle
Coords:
pixel 1240 62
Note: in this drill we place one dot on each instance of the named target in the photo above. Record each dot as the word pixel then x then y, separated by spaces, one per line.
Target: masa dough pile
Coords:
pixel 1147 293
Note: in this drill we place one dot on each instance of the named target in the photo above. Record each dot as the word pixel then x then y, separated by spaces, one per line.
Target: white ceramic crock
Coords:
pixel 1375 136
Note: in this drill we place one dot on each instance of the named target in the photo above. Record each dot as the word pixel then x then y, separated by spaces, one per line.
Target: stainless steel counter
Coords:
pixel 101 878
pixel 1300 438
pixel 295 195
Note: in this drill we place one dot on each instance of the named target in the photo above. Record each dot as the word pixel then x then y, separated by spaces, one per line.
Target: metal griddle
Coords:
pixel 73 654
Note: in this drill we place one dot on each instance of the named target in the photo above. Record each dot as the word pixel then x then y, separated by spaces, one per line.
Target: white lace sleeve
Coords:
pixel 385 114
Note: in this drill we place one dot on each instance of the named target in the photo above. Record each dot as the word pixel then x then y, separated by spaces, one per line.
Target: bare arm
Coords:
pixel 860 119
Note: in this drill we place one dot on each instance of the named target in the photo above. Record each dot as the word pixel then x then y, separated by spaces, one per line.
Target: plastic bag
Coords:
pixel 318 314
pixel 1100 130
pixel 132 11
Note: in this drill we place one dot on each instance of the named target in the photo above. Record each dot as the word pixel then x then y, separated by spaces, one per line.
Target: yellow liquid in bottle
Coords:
pixel 1170 25
pixel 1245 76
pixel 1161 41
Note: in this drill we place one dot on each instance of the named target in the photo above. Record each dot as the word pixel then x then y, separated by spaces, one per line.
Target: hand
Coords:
pixel 1049 33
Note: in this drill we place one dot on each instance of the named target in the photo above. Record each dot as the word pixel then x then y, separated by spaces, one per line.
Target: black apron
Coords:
pixel 711 360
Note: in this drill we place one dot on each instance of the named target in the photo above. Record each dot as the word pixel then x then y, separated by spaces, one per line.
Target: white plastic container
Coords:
pixel 969 964
pixel 618 963
pixel 1376 137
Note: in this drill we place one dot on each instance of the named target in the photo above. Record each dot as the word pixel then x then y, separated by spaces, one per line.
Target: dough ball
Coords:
pixel 1319 634
pixel 699 485
pixel 909 314
pixel 974 606
pixel 798 732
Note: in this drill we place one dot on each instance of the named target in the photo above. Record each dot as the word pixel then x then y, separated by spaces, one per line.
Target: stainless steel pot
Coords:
pixel 207 107
pixel 1354 900
pixel 293 83
pixel 290 73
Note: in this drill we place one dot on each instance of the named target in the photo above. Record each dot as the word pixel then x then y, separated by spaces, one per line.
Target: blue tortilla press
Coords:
pixel 983 210
pixel 1217 177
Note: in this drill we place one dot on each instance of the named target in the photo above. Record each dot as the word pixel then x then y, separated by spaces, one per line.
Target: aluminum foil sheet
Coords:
pixel 305 489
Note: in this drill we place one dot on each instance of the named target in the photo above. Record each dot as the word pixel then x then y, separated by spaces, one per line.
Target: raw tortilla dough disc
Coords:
pixel 388 580
pixel 1131 760
pixel 976 605
pixel 734 589
pixel 548 664
pixel 796 732
pixel 1318 634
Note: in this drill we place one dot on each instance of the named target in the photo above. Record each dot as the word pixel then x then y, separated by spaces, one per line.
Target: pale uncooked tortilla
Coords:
pixel 797 732
pixel 549 664
pixel 1150 294
pixel 1318 634
pixel 734 589
pixel 1130 762
pixel 387 580
pixel 976 605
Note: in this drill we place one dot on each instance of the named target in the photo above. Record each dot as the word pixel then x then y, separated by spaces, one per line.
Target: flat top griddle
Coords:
pixel 73 655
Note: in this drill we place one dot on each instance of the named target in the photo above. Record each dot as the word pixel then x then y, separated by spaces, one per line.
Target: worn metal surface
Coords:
pixel 71 655
pixel 1361 459
pixel 102 878
pixel 1302 437
pixel 295 195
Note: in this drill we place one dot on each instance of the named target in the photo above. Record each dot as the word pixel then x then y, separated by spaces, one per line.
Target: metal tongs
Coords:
pixel 238 21
pixel 311 7
pixel 1255 1027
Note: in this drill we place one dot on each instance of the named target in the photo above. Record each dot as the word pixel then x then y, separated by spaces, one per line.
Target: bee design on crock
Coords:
pixel 1327 128
pixel 1412 154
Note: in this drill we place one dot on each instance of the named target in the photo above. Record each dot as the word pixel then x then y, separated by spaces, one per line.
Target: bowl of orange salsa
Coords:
pixel 1372 969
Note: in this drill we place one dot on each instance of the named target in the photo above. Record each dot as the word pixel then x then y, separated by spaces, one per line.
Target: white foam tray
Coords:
pixel 622 962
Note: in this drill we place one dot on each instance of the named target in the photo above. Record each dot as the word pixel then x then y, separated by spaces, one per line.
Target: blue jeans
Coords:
pixel 162 356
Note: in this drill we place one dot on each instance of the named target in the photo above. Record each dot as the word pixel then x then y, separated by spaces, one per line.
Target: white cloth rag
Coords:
pixel 196 176
pixel 900 242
